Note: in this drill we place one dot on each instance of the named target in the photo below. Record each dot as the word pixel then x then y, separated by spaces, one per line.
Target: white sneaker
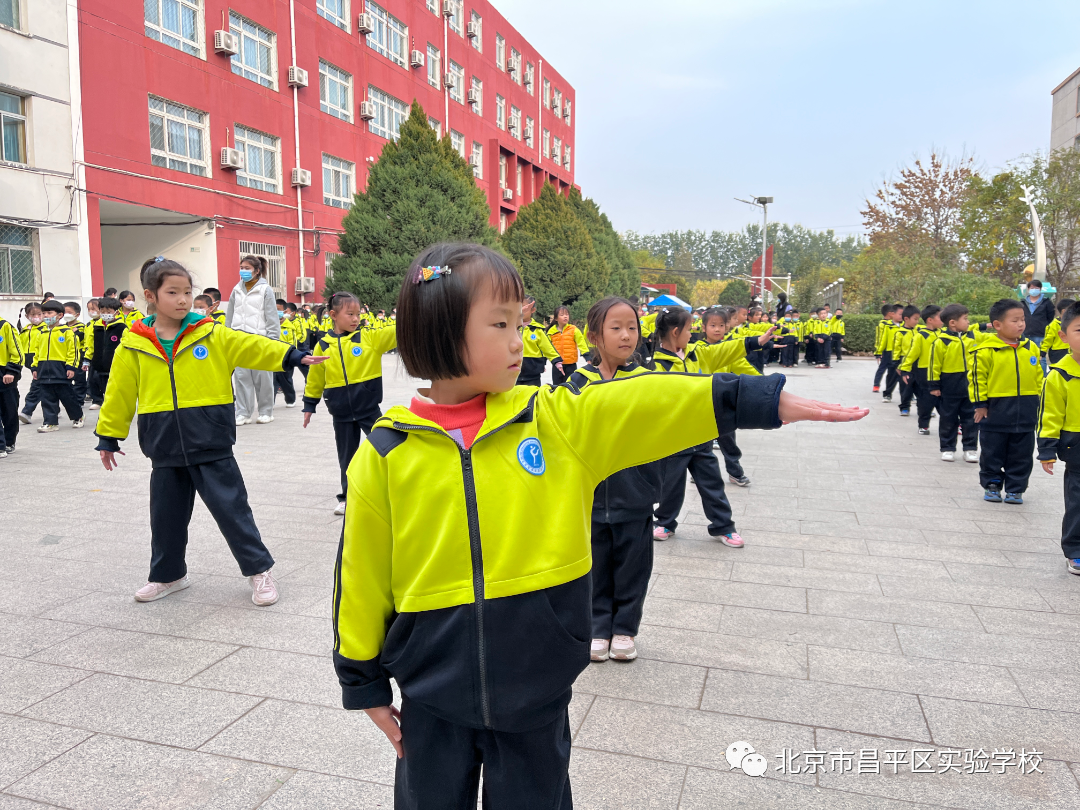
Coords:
pixel 243 420
pixel 599 650
pixel 340 508
pixel 971 456
pixel 48 428
pixel 157 590
pixel 290 404
pixel 3 453
pixel 622 647
pixel 263 589
pixel 948 455
pixel 78 423
pixel 93 406
pixel 264 419
pixel 24 418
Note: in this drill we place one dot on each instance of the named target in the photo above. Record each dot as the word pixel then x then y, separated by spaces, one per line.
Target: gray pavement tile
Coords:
pixel 711 790
pixel 1051 790
pixel 804 628
pixel 599 782
pixel 258 628
pixel 121 611
pixel 98 576
pixel 963 593
pixel 728 652
pixel 315 574
pixel 1029 623
pixel 1043 559
pixel 848 545
pixel 314 738
pixel 139 655
pixel 680 613
pixel 889 609
pixel 274 674
pixel 831 530
pixel 1062 601
pixel 1048 690
pixel 965 724
pixel 805 578
pixel 922 676
pixel 143 710
pixel 1051 575
pixel 814 703
pixel 684 736
pixel 316 791
pixel 691 566
pixel 27 744
pixel 22 636
pixel 580 703
pixel 645 680
pixel 1015 541
pixel 31 598
pixel 937 551
pixel 745 594
pixel 234 591
pixel 987 648
pixel 27 682
pixel 108 772
pixel 867 564
pixel 752 552
pixel 15 803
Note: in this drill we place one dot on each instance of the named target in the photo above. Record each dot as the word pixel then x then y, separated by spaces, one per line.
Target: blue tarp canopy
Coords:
pixel 670 301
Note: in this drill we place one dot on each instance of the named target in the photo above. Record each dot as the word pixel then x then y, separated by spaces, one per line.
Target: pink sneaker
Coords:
pixel 263 589
pixel 733 540
pixel 623 649
pixel 660 533
pixel 599 650
pixel 158 590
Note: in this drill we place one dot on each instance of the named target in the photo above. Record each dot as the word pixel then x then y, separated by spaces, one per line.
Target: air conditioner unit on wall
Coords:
pixel 448 80
pixel 513 65
pixel 474 161
pixel 473 30
pixel 232 158
pixel 508 194
pixel 226 42
pixel 474 96
pixel 301 177
pixel 305 284
pixel 365 23
pixel 448 8
pixel 297 76
pixel 367 110
pixel 416 59
pixel 515 126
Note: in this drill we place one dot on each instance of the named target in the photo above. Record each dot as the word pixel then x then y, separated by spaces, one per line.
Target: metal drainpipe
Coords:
pixel 296 139
pixel 444 68
pixel 538 133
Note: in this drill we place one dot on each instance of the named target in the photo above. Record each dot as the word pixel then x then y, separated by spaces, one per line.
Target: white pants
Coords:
pixel 250 386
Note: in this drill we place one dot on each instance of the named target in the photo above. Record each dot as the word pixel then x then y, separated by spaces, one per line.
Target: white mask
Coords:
pixel 68 317
pixel 105 318
pixel 199 311
pixel 129 304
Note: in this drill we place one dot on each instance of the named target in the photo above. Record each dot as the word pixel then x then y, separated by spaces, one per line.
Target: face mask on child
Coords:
pixel 245 274
pixel 106 317
pixel 199 311
pixel 280 314
pixel 129 304
pixel 35 319
pixel 68 317
pixel 50 319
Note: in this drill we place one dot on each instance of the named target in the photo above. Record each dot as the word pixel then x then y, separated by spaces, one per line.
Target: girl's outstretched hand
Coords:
pixel 800 409
pixel 386 718
pixel 307 418
pixel 765 338
pixel 108 458
pixel 312 360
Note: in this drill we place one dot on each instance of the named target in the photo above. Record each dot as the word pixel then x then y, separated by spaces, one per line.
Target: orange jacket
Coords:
pixel 568 342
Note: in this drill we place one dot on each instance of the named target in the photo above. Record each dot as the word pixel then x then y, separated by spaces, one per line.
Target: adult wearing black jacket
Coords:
pixel 1038 312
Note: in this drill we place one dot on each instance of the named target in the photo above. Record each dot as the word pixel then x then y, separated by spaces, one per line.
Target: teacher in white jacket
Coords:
pixel 253 308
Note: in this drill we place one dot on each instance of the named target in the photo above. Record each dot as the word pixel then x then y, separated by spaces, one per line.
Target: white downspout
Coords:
pixel 444 68
pixel 538 134
pixel 296 139
pixel 78 168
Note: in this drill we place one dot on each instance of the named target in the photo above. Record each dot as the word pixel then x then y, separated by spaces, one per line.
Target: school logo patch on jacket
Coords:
pixel 531 456
pixel 200 352
pixel 357 351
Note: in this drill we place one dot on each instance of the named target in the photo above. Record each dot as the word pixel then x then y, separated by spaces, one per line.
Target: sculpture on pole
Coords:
pixel 1037 233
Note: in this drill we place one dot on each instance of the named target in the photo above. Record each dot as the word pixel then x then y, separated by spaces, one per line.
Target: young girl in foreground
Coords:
pixel 175 368
pixel 446 582
pixel 350 381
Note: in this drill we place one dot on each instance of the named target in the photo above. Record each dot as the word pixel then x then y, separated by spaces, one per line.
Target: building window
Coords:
pixel 457 89
pixel 455 19
pixel 10 15
pixel 478 94
pixel 337 182
pixel 547 143
pixel 556 151
pixel 478 29
pixel 515 122
pixel 434 68
pixel 566 111
pixel 328 268
pixel 502 171
pixel 457 140
pixel 515 60
pixel 529 129
pixel 478 160
pixel 566 158
pixel 435 125
pixel 500 112
pixel 389 113
pixel 257 59
pixel 530 76
pixel 18 275
pixel 500 52
pixel 13 127
pixel 518 185
pixel 177 137
pixel 176 23
pixel 433 6
pixel 390 37
pixel 502 222
pixel 556 103
pixel 261 160
pixel 336 11
pixel 275 263
pixel 335 91
pixel 547 93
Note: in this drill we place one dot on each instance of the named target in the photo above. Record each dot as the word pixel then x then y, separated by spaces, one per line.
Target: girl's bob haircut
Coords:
pixel 432 314
pixel 155 271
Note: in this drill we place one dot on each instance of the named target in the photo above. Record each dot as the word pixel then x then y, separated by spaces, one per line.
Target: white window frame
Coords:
pixel 333 76
pixel 478 157
pixel 547 93
pixel 503 222
pixel 478 86
pixel 515 113
pixel 566 112
pixel 433 7
pixel 436 125
pixel 328 266
pixel 390 37
pixel 500 52
pixel 502 171
pixel 339 170
pixel 457 89
pixel 16 16
pixel 457 140
pixel 7 251
pixel 515 56
pixel 166 36
pixel 520 176
pixel 202 125
pixel 434 66
pixel 477 41
pixel 456 19
pixel 253 143
pixel 331 16
pixel 556 102
pixel 389 113
pixel 275 263
pixel 556 151
pixel 566 158
pixel 530 78
pixel 242 27
pixel 500 112
pixel 547 143
pixel 20 120
pixel 530 132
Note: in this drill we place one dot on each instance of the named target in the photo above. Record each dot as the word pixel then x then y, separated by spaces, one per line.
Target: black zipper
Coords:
pixel 475 549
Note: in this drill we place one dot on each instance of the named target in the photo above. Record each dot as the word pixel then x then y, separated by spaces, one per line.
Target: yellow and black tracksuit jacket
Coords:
pixel 1053 347
pixel 568 342
pixel 56 352
pixel 184 404
pixel 837 327
pixel 726 356
pixel 881 335
pixel 443 580
pixel 919 346
pixel 291 332
pixel 538 350
pixel 1059 413
pixel 1007 380
pixel 11 353
pixel 80 335
pixel 648 324
pixel 131 316
pixel 102 341
pixel 900 342
pixel 219 316
pixel 28 341
pixel 632 493
pixel 351 380
pixel 950 362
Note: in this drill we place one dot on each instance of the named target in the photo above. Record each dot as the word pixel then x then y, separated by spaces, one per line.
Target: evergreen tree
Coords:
pixel 625 278
pixel 735 293
pixel 419 192
pixel 554 252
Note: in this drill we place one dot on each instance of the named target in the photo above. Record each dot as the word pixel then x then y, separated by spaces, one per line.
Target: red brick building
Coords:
pixel 311 85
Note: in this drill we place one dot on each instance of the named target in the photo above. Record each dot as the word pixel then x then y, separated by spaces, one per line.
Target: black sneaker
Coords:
pixel 992 495
pixel 739 481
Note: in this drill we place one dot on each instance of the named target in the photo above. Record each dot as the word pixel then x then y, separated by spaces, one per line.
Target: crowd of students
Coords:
pixel 1006 397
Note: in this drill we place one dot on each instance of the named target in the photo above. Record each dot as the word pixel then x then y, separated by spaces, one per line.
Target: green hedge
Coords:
pixel 861 330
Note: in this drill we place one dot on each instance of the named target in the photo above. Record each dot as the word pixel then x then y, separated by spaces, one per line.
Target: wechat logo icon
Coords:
pixel 741 755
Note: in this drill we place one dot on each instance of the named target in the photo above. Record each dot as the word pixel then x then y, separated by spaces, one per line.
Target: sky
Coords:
pixel 683 105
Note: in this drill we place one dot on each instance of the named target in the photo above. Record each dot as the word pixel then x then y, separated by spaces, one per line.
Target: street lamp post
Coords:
pixel 763 203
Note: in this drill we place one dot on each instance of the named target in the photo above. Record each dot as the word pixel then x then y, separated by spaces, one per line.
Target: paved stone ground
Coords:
pixel 878 604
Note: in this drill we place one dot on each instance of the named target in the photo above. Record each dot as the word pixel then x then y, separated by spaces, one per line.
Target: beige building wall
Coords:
pixel 1065 118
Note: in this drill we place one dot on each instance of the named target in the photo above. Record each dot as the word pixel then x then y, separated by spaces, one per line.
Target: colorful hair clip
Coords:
pixel 431 273
pixel 158 259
